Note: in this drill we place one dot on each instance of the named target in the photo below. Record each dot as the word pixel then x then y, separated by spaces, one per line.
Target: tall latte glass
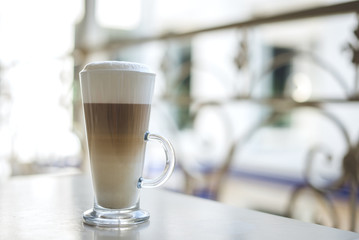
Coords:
pixel 117 102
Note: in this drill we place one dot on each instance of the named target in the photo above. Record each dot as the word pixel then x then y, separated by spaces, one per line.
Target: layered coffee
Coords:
pixel 117 102
pixel 116 98
pixel 116 144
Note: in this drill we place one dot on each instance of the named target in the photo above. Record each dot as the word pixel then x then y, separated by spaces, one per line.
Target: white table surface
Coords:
pixel 48 207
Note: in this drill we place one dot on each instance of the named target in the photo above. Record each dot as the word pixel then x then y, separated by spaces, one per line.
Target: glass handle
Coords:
pixel 170 163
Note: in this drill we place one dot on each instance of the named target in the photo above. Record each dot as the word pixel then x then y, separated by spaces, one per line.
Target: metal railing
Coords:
pixel 278 105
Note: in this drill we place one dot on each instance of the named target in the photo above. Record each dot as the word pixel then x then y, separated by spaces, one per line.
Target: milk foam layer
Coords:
pixel 118 65
pixel 117 82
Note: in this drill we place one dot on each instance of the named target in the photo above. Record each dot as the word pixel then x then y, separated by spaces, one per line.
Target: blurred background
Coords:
pixel 259 98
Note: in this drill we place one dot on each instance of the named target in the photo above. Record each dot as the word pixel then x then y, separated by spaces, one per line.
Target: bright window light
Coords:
pixel 36 82
pixel 118 14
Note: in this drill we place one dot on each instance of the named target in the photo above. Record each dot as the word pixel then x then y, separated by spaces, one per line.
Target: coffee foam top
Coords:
pixel 117 65
pixel 117 82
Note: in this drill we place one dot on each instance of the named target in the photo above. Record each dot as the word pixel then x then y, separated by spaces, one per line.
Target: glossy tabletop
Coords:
pixel 44 207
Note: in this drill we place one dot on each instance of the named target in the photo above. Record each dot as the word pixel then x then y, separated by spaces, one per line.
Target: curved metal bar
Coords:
pixel 353 205
pixel 284 58
pixel 217 174
pixel 321 194
pixel 310 159
pixel 237 143
pixel 276 62
pixel 350 167
pixel 309 163
pixel 322 199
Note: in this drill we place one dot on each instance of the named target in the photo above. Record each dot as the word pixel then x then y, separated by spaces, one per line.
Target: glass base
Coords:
pixel 115 218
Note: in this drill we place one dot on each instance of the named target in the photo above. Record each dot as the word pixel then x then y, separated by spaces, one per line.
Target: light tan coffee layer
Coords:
pixel 116 146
